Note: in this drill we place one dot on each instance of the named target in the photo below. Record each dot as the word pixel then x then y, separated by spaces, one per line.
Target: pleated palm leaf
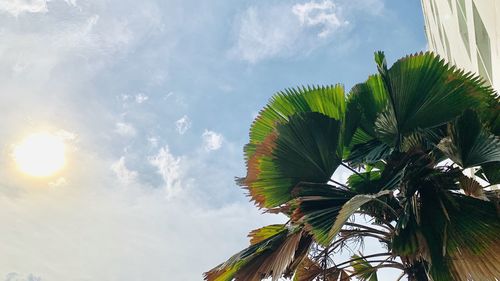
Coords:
pixel 411 136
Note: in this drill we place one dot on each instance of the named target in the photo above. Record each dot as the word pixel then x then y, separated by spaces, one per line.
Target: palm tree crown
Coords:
pixel 421 140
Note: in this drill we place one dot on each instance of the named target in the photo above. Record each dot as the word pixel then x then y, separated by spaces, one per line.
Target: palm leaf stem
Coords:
pixel 337 243
pixel 385 263
pixel 382 263
pixel 353 170
pixel 364 233
pixel 336 182
pixel 387 224
pixel 387 205
pixel 376 267
pixel 364 257
pixel 368 228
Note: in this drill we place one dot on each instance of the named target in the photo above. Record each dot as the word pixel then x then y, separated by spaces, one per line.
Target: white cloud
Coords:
pixel 264 34
pixel 183 124
pixel 124 175
pixel 68 40
pixel 321 14
pixel 125 129
pixel 212 140
pixel 169 167
pixel 17 7
pixel 140 98
pixel 285 30
pixel 153 141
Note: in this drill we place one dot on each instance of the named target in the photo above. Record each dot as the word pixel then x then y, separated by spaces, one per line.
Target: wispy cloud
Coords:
pixel 125 129
pixel 124 175
pixel 284 30
pixel 169 167
pixel 153 141
pixel 140 98
pixel 66 65
pixel 183 124
pixel 42 227
pixel 17 7
pixel 319 14
pixel 212 140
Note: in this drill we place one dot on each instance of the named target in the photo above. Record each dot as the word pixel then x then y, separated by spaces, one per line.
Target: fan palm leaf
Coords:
pixel 304 149
pixel 425 92
pixel 469 144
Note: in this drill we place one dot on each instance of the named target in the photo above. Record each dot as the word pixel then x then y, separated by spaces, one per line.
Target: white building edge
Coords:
pixel 467 34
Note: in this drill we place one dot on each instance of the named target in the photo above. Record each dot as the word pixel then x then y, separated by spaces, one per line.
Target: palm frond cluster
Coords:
pixel 421 140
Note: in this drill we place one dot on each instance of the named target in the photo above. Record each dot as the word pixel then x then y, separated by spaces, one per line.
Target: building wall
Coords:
pixel 467 34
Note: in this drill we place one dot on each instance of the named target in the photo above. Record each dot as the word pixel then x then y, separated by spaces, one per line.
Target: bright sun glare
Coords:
pixel 40 155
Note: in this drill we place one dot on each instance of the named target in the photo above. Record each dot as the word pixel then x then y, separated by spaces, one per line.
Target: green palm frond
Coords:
pixel 263 233
pixel 369 152
pixel 325 209
pixel 469 144
pixel 396 132
pixel 365 182
pixel 365 102
pixel 349 208
pixel 270 257
pixel 457 235
pixel 317 206
pixel 329 100
pixel 490 172
pixel 304 149
pixel 425 92
pixel 363 270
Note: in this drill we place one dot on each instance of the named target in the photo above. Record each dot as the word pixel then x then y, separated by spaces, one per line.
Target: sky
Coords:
pixel 154 100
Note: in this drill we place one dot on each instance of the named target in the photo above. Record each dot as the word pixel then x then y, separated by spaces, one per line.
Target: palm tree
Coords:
pixel 421 141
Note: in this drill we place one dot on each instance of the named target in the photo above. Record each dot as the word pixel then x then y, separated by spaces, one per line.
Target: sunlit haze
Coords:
pixel 40 155
pixel 154 100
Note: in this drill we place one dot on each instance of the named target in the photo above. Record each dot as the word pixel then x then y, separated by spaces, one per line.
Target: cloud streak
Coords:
pixel 284 30
pixel 169 167
pixel 319 14
pixel 18 7
pixel 84 233
pixel 125 129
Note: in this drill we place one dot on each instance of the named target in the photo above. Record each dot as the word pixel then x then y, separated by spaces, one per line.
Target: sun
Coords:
pixel 40 155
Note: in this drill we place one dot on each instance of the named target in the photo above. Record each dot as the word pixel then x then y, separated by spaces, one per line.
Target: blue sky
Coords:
pixel 154 100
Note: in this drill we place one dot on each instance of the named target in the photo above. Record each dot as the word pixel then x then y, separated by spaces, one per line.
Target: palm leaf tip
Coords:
pixel 329 100
pixel 380 60
pixel 275 251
